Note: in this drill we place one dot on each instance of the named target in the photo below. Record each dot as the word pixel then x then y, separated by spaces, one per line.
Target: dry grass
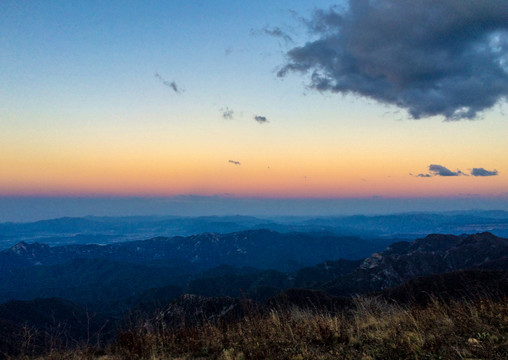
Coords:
pixel 374 330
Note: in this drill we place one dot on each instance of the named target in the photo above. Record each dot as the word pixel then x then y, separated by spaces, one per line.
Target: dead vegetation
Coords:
pixel 372 330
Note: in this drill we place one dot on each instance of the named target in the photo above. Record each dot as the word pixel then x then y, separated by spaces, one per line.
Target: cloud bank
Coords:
pixel 430 57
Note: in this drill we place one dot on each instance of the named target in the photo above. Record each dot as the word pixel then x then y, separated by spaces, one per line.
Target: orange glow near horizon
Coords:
pixel 177 178
pixel 351 158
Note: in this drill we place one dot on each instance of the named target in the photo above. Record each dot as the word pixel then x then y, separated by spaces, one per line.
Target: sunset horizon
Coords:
pixel 256 179
pixel 179 106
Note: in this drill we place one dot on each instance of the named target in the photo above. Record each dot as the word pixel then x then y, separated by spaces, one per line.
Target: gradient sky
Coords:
pixel 83 114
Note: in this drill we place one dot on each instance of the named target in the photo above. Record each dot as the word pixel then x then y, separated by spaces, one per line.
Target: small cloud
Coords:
pixel 261 119
pixel 175 87
pixel 171 84
pixel 227 113
pixel 483 172
pixel 234 162
pixel 439 170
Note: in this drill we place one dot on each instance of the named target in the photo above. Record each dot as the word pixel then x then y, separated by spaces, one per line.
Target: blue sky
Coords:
pixel 92 55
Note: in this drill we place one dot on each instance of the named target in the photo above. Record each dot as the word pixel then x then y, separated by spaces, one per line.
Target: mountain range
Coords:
pixel 110 277
pixel 434 254
pixel 170 282
pixel 106 230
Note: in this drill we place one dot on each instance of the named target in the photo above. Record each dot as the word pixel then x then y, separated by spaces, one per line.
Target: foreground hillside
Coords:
pixel 371 330
pixel 459 315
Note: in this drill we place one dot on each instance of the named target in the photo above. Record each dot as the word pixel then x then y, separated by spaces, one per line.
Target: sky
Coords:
pixel 316 100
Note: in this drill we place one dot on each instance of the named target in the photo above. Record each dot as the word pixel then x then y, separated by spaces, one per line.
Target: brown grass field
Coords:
pixel 372 330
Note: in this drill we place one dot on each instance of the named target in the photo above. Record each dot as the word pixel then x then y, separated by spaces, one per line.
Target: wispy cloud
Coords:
pixel 483 172
pixel 275 32
pixel 261 119
pixel 447 57
pixel 227 113
pixel 234 162
pixel 171 84
pixel 278 33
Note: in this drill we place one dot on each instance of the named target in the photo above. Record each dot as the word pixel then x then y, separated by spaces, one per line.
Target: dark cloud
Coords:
pixel 261 119
pixel 430 57
pixel 483 172
pixel 171 84
pixel 439 170
pixel 227 113
pixel 234 162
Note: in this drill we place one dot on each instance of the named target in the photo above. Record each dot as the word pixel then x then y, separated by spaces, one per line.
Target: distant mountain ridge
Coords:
pixel 264 249
pixel 107 230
